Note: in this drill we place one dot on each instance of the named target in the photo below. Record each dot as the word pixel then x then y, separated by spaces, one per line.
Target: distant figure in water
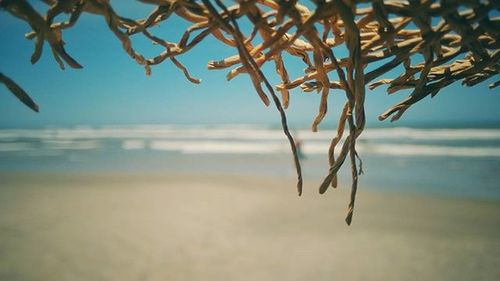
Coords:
pixel 298 145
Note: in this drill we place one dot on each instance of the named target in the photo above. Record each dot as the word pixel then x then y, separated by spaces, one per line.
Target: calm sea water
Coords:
pixel 448 162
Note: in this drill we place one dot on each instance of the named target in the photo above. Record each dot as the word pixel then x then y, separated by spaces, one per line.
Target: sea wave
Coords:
pixel 225 147
pixel 240 132
pixel 71 144
pixel 251 139
pixel 238 147
pixel 133 144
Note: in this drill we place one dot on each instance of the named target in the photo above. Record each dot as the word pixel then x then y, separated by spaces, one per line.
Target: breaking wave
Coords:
pixel 248 139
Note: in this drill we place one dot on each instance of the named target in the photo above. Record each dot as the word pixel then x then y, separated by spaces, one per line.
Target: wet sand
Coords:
pixel 185 227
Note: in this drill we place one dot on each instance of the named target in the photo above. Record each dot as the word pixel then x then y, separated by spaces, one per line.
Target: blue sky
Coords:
pixel 113 89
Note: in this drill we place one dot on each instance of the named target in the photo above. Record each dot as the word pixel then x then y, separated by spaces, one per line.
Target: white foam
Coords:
pixel 133 144
pixel 429 150
pixel 216 147
pixel 320 148
pixel 432 134
pixel 240 133
pixel 72 144
pixel 248 139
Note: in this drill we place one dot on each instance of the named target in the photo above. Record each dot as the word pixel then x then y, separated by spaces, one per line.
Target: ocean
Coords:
pixel 449 162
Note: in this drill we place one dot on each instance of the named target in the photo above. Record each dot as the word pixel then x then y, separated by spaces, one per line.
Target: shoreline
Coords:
pixel 311 183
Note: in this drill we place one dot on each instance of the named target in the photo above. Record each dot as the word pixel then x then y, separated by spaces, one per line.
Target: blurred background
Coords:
pixel 127 177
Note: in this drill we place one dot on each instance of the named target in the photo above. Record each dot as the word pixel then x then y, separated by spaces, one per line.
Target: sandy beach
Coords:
pixel 184 227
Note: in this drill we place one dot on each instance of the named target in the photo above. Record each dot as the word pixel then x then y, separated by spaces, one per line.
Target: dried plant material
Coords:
pixel 463 45
pixel 18 92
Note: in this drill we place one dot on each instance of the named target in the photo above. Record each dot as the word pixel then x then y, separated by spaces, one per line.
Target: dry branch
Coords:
pixel 18 92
